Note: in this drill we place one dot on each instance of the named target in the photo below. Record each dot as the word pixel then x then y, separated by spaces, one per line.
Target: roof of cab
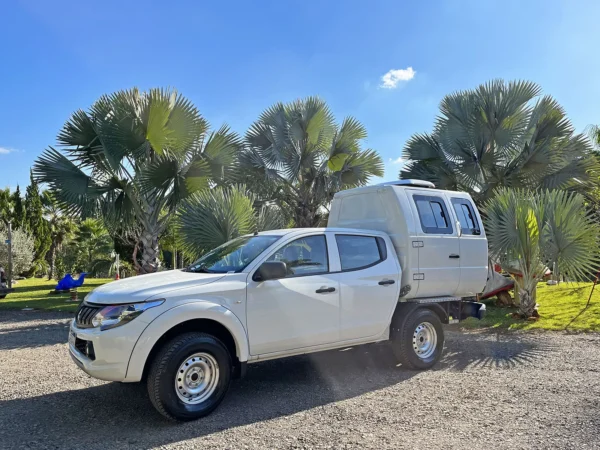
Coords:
pixel 300 231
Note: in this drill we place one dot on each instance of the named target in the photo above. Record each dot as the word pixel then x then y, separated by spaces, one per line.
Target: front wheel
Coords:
pixel 420 342
pixel 190 376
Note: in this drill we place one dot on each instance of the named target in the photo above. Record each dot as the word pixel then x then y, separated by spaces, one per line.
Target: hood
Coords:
pixel 144 287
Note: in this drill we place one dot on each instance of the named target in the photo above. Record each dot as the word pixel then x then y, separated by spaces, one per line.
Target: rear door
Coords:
pixel 369 280
pixel 473 247
pixel 439 250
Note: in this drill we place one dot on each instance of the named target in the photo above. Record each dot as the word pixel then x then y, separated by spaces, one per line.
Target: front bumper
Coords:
pixel 110 350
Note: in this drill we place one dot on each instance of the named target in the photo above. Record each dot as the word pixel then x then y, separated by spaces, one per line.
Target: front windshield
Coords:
pixel 233 256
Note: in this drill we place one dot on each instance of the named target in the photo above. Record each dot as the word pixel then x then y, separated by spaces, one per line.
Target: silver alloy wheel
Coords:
pixel 424 340
pixel 197 378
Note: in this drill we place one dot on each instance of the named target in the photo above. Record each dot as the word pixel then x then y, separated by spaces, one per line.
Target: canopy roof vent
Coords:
pixel 416 183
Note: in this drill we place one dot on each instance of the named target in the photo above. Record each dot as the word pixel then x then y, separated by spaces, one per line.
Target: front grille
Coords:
pixel 84 315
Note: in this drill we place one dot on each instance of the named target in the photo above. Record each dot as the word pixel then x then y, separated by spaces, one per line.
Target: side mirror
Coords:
pixel 270 270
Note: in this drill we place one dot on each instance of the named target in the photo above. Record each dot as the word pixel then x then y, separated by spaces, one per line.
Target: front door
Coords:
pixel 437 240
pixel 301 310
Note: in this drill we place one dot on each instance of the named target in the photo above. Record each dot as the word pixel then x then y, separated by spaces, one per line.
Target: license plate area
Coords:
pixel 72 338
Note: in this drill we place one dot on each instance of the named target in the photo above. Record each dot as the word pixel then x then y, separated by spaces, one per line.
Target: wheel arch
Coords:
pixel 404 310
pixel 439 310
pixel 207 317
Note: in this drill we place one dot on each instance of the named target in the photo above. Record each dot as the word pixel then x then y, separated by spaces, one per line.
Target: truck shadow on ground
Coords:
pixel 271 389
pixel 490 350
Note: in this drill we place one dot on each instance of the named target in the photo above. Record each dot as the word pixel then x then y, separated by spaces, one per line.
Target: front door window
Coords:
pixel 304 256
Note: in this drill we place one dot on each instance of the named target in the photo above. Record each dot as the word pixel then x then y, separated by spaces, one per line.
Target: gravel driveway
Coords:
pixel 491 391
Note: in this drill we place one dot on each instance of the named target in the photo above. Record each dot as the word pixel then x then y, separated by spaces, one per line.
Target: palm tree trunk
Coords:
pixel 527 297
pixel 52 261
pixel 305 215
pixel 150 260
pixel 134 258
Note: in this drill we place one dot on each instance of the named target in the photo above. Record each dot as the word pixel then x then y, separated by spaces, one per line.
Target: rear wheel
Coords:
pixel 420 341
pixel 190 376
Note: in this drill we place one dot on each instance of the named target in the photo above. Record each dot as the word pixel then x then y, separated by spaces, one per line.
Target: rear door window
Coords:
pixel 359 252
pixel 466 216
pixel 433 214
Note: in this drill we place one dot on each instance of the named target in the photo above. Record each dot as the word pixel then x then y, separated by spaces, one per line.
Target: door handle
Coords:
pixel 386 282
pixel 325 290
pixel 454 256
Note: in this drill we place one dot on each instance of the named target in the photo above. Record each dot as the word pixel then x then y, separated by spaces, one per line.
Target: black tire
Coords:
pixel 164 368
pixel 403 345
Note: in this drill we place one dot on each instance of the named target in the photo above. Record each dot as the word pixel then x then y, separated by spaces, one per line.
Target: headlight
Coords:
pixel 117 315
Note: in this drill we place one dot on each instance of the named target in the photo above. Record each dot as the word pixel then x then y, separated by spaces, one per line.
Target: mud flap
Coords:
pixel 472 309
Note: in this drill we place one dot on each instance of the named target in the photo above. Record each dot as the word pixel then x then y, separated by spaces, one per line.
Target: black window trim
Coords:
pixel 465 201
pixel 302 274
pixel 442 202
pixel 381 246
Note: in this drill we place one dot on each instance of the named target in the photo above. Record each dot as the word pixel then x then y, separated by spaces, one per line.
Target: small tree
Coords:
pixel 93 245
pixel 22 251
pixel 7 206
pixel 211 218
pixel 18 219
pixel 530 231
pixel 61 228
pixel 35 225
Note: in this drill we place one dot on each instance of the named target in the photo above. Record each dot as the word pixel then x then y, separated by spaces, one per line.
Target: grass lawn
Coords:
pixel 35 293
pixel 561 308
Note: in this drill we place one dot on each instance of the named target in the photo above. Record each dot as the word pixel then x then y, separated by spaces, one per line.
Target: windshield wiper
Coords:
pixel 201 269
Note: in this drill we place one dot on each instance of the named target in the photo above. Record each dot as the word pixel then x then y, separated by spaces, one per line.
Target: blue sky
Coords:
pixel 234 59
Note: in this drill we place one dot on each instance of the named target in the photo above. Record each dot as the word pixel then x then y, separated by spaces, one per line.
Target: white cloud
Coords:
pixel 6 150
pixel 398 160
pixel 391 79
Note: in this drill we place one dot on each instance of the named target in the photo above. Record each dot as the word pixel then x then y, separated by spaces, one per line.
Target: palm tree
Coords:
pixel 134 157
pixel 496 136
pixel 210 218
pixel 61 229
pixel 299 157
pixel 93 244
pixel 531 231
pixel 593 133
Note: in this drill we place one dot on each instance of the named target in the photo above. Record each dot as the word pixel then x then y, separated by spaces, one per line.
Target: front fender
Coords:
pixel 179 314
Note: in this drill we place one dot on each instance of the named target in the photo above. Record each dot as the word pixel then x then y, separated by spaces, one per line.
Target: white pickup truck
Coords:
pixel 395 263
